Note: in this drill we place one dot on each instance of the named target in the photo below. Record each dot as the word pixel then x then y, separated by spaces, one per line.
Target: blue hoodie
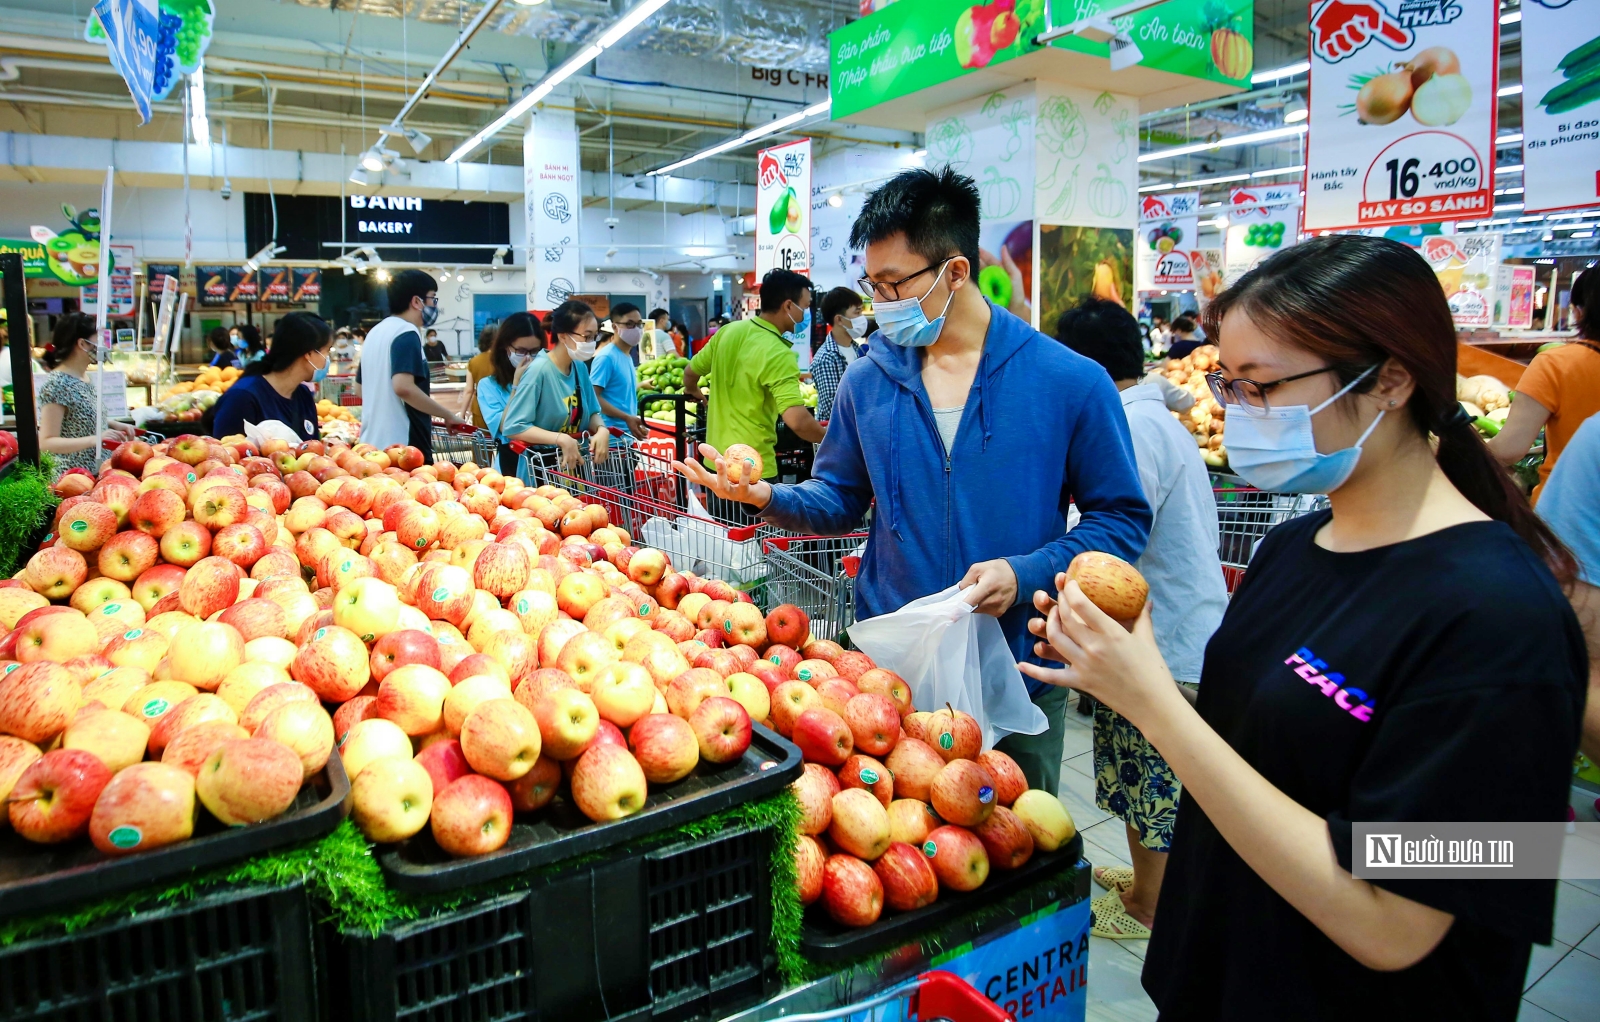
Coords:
pixel 1042 426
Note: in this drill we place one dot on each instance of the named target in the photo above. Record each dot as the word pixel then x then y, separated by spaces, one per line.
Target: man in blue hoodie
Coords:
pixel 971 430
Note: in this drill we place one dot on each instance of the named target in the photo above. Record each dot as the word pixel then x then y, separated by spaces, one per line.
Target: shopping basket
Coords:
pixel 936 996
pixel 1245 516
pixel 465 443
pixel 816 574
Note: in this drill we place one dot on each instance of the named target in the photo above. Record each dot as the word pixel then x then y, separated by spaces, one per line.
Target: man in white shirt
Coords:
pixel 396 404
pixel 1132 781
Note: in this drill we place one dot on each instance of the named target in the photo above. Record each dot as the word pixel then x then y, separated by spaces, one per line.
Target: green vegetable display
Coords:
pixel 663 375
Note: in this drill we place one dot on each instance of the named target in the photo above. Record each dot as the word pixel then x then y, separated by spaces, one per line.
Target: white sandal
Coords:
pixel 1114 878
pixel 1112 921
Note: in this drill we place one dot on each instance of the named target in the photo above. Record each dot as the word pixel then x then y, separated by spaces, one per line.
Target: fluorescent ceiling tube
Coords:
pixel 1299 67
pixel 571 66
pixel 1224 143
pixel 770 128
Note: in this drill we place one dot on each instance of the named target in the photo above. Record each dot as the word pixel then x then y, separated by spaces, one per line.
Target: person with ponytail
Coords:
pixel 1406 655
pixel 274 385
pixel 1559 390
pixel 67 399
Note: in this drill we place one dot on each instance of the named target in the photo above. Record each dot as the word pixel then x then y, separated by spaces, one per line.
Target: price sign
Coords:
pixel 783 208
pixel 1560 104
pixel 1402 112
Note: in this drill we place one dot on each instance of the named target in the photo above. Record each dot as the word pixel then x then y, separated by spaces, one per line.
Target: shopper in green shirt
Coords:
pixel 755 375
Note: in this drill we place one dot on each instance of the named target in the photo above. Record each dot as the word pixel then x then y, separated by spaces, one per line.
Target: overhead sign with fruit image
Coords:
pixel 1261 221
pixel 152 45
pixel 1402 112
pixel 1560 104
pixel 783 208
pixel 1468 268
pixel 906 47
pixel 1163 253
pixel 71 257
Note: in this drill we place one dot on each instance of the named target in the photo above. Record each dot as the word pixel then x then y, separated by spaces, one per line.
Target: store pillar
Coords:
pixel 1057 170
pixel 551 207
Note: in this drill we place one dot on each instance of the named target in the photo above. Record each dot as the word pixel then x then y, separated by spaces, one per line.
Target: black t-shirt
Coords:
pixel 1447 682
pixel 434 349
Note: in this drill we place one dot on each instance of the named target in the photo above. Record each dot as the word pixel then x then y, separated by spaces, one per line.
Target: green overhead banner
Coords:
pixel 910 45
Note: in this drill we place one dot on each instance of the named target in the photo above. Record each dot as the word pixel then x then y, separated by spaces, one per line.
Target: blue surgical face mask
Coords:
pixel 319 373
pixel 904 322
pixel 858 327
pixel 1277 450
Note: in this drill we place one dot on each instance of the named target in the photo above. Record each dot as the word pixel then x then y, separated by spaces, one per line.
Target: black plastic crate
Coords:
pixel 673 934
pixel 237 956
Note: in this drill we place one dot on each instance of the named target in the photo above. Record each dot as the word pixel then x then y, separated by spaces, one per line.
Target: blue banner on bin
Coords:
pixel 1038 972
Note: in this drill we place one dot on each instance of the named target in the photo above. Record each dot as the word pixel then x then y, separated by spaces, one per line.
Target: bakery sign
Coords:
pixel 384 214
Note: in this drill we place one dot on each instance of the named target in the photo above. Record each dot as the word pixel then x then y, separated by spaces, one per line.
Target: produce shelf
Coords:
pixel 671 934
pixel 238 956
pixel 560 831
pixel 41 878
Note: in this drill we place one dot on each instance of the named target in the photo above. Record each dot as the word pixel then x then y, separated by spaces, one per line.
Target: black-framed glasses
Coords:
pixel 890 291
pixel 1250 396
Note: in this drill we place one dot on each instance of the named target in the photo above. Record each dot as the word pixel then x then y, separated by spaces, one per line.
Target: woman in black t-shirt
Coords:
pixel 275 385
pixel 1406 656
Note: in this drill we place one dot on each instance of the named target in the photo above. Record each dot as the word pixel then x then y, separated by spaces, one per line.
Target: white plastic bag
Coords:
pixel 948 654
pixel 270 429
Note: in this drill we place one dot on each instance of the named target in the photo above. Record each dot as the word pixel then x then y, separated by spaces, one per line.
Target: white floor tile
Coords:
pixel 1080 763
pixel 1542 961
pixel 1568 990
pixel 1077 794
pixel 1076 742
pixel 1533 1013
pixel 1577 913
pixel 1106 844
pixel 1114 991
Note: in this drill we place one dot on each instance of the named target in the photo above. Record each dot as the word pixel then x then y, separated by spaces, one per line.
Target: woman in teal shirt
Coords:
pixel 519 339
pixel 552 401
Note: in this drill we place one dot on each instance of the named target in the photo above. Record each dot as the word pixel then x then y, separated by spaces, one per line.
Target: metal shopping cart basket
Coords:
pixel 816 574
pixel 935 996
pixel 462 444
pixel 641 492
pixel 1245 515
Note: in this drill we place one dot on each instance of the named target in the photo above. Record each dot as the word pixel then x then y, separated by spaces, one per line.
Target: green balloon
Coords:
pixel 995 284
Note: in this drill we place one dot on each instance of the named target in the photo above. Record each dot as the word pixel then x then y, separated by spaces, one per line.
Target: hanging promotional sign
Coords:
pixel 1468 268
pixel 783 208
pixel 1260 222
pixel 1560 104
pixel 1402 112
pixel 124 298
pixel 1513 305
pixel 1164 257
pixel 550 172
pixel 152 45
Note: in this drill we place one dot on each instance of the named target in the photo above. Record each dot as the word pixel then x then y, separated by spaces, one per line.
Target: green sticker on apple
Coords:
pixel 441 594
pixel 930 849
pixel 79 525
pixel 134 634
pixel 775 658
pixel 12 667
pixel 644 610
pixel 870 776
pixel 320 633
pixel 522 606
pixel 155 707
pixel 368 637
pixel 727 626
pixel 111 608
pixel 946 741
pixel 804 674
pixel 191 477
pixel 421 542
pixel 125 837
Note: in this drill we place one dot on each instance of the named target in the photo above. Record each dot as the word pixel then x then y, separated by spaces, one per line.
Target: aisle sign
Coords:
pixel 1468 268
pixel 551 206
pixel 1560 104
pixel 1261 221
pixel 1169 224
pixel 1381 152
pixel 783 208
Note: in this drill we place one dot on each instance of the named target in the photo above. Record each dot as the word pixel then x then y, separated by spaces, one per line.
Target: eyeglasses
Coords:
pixel 890 292
pixel 1250 396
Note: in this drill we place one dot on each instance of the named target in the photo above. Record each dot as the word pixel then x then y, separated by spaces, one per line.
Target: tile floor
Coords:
pixel 1563 983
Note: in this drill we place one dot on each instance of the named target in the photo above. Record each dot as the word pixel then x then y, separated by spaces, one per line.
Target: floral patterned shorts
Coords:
pixel 1132 781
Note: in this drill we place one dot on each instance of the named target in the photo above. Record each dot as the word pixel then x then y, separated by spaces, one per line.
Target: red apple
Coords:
pixel 867 773
pixel 534 789
pixel 851 891
pixel 907 877
pixel 887 683
pixel 914 764
pixel 500 738
pixel 874 723
pixel 37 701
pixel 788 626
pixel 209 586
pixel 1009 782
pixel 56 571
pixel 809 859
pixel 823 736
pixel 784 657
pixel 352 711
pixel 334 663
pixel 146 806
pixel 471 816
pixel 688 690
pixel 445 762
pixel 402 647
pixel 53 799
pixel 789 701
pixel 665 746
pixel 815 788
pixel 608 783
pixel 836 694
pixel 154 583
pixel 1006 839
pixel 963 793
pixel 959 859
pixel 722 727
pixel 87 526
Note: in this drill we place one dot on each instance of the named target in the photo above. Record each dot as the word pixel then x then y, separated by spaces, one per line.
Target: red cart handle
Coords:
pixel 946 995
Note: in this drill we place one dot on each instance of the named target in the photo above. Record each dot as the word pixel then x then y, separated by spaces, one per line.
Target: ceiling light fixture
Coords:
pixel 836 200
pixel 771 128
pixel 1225 143
pixel 359 177
pixel 199 127
pixel 1296 169
pixel 1509 90
pixel 1295 111
pixel 1299 67
pixel 620 28
pixel 268 252
pixel 372 160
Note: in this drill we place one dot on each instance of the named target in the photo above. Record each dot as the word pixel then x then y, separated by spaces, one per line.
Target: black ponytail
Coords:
pixel 295 336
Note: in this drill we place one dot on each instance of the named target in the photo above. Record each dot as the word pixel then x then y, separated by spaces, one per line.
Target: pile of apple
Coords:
pixel 900 802
pixel 475 647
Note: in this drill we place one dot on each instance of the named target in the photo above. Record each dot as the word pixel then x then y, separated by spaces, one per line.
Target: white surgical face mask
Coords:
pixel 518 358
pixel 631 335
pixel 583 351
pixel 1277 450
pixel 858 327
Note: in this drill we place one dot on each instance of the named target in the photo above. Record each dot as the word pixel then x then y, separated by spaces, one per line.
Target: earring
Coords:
pixel 1391 404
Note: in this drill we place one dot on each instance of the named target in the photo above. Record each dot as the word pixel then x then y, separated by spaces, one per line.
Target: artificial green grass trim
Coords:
pixel 25 505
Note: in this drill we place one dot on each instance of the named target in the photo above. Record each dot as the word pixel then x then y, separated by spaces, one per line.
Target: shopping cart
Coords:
pixel 816 574
pixel 936 996
pixel 1245 516
pixel 463 443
